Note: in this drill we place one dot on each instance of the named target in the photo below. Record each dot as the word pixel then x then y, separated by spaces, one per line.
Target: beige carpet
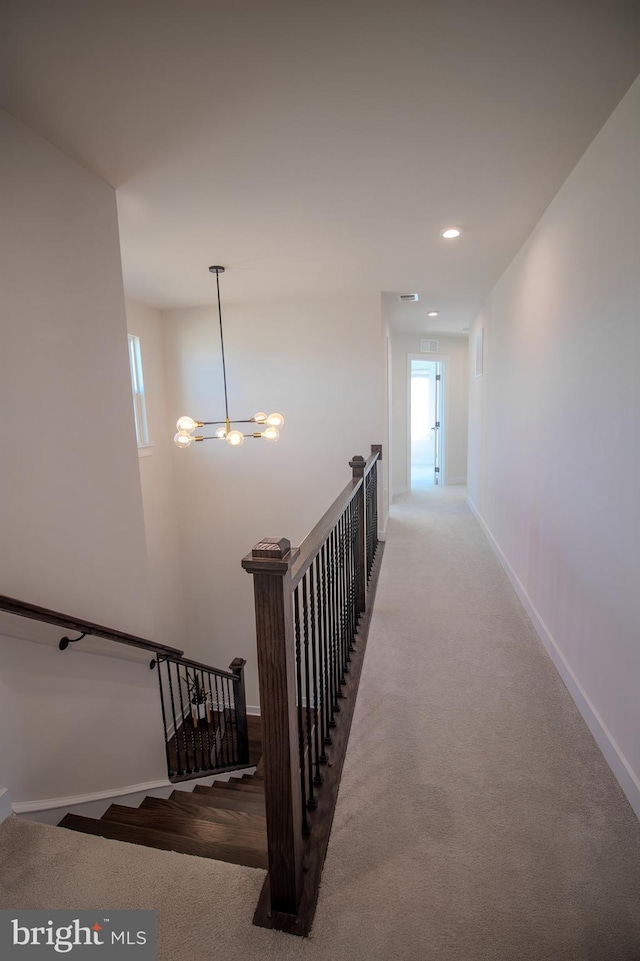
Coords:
pixel 476 821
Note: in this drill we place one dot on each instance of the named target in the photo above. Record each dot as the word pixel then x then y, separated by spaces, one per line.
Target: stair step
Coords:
pixel 199 838
pixel 231 800
pixel 239 784
pixel 204 811
pixel 187 826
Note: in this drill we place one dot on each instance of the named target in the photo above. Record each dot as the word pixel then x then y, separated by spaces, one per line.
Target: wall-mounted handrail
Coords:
pixel 23 609
pixel 194 745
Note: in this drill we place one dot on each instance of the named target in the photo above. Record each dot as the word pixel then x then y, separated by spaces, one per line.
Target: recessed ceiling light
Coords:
pixel 450 233
pixel 433 313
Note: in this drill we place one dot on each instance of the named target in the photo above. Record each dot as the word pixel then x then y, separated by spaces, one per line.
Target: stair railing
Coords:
pixel 313 605
pixel 204 713
pixel 203 708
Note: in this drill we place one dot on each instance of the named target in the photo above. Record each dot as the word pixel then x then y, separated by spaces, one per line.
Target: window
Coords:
pixel 137 385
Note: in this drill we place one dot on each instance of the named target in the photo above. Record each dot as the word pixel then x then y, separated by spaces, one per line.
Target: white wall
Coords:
pixel 320 365
pixel 554 460
pixel 156 462
pixel 71 520
pixel 454 351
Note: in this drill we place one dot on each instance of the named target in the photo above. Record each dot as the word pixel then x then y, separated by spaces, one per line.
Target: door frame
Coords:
pixel 443 361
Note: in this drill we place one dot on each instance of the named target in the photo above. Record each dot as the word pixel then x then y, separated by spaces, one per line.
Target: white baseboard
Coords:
pixel 614 757
pixel 253 710
pixel 55 804
pixel 52 810
pixel 5 804
pixel 453 481
pixel 397 491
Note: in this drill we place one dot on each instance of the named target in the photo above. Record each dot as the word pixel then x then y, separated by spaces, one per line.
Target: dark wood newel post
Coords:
pixel 242 730
pixel 357 464
pixel 270 563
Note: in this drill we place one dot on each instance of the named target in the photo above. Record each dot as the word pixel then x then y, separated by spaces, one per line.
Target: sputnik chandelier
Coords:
pixel 187 425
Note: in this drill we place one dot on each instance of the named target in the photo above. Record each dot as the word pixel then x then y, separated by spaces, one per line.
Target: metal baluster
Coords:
pixel 193 755
pixel 356 567
pixel 352 624
pixel 224 749
pixel 353 512
pixel 374 511
pixel 204 734
pixel 369 490
pixel 296 614
pixel 347 585
pixel 234 714
pixel 343 632
pixel 345 593
pixel 230 720
pixel 311 800
pixel 160 662
pixel 321 661
pixel 198 725
pixel 317 697
pixel 179 679
pixel 331 669
pixel 213 749
pixel 326 677
pixel 335 627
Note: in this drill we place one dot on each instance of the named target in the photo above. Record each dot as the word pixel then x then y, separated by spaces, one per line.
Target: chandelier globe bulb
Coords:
pixel 235 438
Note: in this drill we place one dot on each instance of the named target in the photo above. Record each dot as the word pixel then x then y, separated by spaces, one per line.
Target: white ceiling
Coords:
pixel 318 148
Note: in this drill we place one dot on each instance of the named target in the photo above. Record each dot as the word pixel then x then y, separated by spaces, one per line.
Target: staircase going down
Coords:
pixel 225 821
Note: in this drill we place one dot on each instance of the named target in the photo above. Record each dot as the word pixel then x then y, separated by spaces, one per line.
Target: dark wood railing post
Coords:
pixel 270 563
pixel 240 698
pixel 357 464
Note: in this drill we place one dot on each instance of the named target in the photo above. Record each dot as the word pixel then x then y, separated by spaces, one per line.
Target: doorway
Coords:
pixel 425 423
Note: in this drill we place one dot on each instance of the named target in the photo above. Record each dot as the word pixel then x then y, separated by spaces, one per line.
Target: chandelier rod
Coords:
pixel 217 271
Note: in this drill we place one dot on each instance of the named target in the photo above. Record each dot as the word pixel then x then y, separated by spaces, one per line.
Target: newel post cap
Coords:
pixel 357 463
pixel 272 547
pixel 270 555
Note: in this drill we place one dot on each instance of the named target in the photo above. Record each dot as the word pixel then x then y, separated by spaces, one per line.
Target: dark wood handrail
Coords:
pixel 316 538
pixel 370 461
pixel 23 609
pixel 198 666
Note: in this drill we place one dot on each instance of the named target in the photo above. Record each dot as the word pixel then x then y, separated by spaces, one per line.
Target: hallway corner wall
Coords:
pixel 554 463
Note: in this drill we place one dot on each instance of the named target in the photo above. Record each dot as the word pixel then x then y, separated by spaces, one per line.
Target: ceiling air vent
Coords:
pixel 429 346
pixel 408 298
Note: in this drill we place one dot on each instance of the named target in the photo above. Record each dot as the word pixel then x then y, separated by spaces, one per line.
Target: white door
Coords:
pixel 425 422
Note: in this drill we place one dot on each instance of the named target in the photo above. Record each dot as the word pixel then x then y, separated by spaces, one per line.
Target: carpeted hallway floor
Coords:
pixel 477 820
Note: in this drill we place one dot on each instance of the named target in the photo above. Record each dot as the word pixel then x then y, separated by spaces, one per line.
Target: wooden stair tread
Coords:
pixel 239 820
pixel 239 784
pixel 201 840
pixel 224 802
pixel 185 825
pixel 231 800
